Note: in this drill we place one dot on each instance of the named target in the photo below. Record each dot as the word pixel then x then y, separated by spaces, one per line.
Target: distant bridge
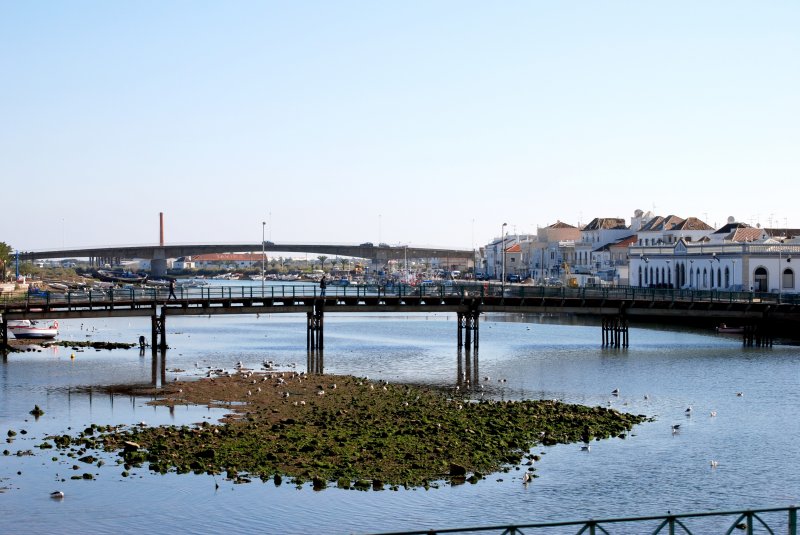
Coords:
pixel 158 254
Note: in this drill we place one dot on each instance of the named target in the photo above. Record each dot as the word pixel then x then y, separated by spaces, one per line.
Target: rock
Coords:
pixel 130 446
pixel 37 411
pixel 457 470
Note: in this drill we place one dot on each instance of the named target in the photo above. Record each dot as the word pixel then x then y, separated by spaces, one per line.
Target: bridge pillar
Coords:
pixel 158 264
pixel 615 331
pixel 158 327
pixel 314 328
pixel 758 335
pixel 467 328
pixel 4 331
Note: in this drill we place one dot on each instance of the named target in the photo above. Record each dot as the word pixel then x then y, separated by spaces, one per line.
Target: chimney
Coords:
pixel 161 229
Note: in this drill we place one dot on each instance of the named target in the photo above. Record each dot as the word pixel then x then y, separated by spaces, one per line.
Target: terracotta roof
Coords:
pixel 660 223
pixel 730 227
pixel 624 242
pixel 514 249
pixel 745 234
pixel 692 223
pixel 605 223
pixel 561 224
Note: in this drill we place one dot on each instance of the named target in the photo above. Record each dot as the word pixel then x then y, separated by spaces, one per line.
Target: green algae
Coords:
pixel 365 436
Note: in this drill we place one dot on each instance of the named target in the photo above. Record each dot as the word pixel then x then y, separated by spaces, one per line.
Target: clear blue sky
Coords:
pixel 423 122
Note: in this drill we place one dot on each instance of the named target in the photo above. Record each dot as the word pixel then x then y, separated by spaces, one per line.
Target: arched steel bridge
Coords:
pixel 377 254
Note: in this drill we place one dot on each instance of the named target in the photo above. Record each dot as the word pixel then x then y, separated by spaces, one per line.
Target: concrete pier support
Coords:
pixel 3 332
pixel 158 264
pixel 468 329
pixel 758 335
pixel 615 331
pixel 314 326
pixel 158 333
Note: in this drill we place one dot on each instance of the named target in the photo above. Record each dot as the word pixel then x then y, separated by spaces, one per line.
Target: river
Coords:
pixel 754 393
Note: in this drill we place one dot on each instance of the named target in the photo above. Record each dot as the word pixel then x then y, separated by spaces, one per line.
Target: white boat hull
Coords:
pixel 31 330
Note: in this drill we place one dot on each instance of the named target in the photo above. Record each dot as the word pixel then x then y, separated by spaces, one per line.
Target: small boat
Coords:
pixel 32 329
pixel 722 328
pixel 119 276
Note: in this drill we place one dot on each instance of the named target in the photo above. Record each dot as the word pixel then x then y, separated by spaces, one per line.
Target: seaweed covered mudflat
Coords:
pixel 345 431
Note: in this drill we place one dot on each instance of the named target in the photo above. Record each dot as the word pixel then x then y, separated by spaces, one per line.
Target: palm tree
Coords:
pixel 5 258
pixel 322 259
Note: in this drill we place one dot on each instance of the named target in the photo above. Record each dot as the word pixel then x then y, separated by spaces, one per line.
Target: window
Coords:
pixel 787 281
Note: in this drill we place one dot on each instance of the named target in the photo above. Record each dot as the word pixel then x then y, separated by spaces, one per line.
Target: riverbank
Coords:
pixel 348 431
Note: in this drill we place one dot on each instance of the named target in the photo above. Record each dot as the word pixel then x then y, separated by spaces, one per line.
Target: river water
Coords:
pixel 754 392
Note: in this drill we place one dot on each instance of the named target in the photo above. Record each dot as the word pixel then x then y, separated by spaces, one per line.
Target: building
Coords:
pixel 736 258
pixel 228 260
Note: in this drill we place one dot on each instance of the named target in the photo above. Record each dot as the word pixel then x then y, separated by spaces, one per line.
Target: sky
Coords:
pixel 414 122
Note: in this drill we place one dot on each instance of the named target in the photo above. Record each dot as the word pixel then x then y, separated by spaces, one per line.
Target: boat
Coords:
pixel 722 328
pixel 119 276
pixel 33 329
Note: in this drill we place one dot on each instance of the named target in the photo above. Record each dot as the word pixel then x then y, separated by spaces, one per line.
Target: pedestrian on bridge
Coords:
pixel 322 286
pixel 172 290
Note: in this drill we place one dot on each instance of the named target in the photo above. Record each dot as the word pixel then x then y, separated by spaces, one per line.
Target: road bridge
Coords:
pixel 157 254
pixel 763 316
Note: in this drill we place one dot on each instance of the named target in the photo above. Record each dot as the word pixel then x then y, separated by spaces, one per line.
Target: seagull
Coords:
pixel 714 464
pixel 688 410
pixel 615 392
pixel 740 394
pixel 713 413
pixel 676 428
pixel 57 495
pixel 586 448
pixel 526 478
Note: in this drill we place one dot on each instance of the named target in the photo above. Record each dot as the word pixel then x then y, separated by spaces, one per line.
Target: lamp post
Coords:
pixel 263 256
pixel 503 258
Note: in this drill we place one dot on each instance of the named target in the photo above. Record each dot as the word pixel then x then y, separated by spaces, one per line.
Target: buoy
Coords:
pixel 72 356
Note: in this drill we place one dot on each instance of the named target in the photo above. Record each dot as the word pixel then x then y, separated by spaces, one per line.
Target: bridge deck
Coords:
pixel 631 302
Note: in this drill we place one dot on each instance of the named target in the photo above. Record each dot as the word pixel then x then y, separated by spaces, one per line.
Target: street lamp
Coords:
pixel 503 252
pixel 263 256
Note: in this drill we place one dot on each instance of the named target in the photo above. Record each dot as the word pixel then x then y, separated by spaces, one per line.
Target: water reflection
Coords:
pixel 314 362
pixel 467 367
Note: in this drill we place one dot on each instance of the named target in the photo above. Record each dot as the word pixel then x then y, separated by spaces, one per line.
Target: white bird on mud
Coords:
pixel 526 478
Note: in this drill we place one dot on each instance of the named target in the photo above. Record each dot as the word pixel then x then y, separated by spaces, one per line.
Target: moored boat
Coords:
pixel 119 276
pixel 722 328
pixel 33 329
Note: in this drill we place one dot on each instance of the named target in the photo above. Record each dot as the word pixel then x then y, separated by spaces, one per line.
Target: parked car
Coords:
pixel 513 278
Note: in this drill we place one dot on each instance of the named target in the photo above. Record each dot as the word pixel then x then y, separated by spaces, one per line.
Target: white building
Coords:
pixel 760 267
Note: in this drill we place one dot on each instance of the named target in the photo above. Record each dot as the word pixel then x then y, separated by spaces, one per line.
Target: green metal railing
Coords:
pixel 775 520
pixel 133 294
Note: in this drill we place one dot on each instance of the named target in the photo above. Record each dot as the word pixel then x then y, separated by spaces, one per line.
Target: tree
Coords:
pixel 5 258
pixel 322 258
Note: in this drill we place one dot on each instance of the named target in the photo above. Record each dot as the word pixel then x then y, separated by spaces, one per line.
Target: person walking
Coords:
pixel 172 290
pixel 322 286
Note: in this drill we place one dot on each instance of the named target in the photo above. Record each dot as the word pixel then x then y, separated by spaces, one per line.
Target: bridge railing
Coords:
pixel 775 520
pixel 136 294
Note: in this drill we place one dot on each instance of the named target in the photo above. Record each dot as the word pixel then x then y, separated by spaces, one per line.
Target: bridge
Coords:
pixel 762 316
pixel 158 253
